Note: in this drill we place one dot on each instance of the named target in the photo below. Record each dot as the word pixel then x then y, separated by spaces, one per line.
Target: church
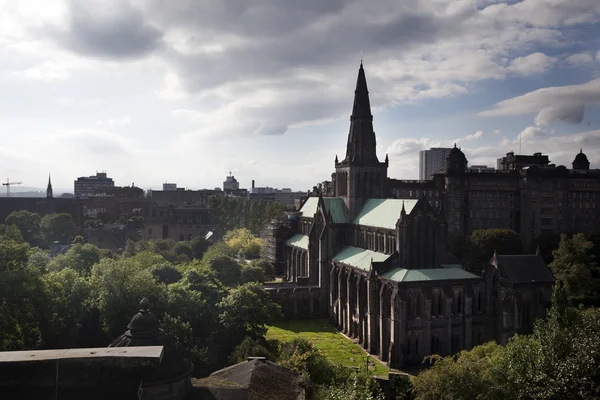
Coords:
pixel 378 267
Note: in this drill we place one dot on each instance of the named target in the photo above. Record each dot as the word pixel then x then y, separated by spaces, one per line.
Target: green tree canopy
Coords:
pixel 79 257
pixel 245 312
pixel 503 241
pixel 227 270
pixel 57 228
pixel 28 223
pixel 575 265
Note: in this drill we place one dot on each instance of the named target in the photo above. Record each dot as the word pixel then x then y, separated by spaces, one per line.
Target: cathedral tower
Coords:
pixel 360 176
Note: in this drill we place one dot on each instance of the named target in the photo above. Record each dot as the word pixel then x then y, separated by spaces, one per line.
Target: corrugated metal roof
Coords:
pixel 337 208
pixel 433 274
pixel 333 205
pixel 309 209
pixel 298 240
pixel 359 258
pixel 383 213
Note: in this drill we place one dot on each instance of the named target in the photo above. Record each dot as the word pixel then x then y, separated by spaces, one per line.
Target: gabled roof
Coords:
pixel 432 274
pixel 298 240
pixel 383 213
pixel 333 205
pixel 254 379
pixel 359 258
pixel 525 268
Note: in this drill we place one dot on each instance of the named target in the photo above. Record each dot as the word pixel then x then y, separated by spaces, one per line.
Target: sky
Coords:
pixel 186 91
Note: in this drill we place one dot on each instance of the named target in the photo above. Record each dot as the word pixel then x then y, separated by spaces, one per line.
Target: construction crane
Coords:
pixel 8 184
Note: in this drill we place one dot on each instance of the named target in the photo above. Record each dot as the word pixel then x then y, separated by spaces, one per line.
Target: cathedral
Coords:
pixel 378 268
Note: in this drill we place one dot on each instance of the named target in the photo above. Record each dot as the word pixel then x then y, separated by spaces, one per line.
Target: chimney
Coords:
pixel 252 183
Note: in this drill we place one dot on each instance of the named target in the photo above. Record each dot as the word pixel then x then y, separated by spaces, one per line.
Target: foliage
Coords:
pixel 561 359
pixel 166 274
pixel 199 245
pixel 11 232
pixel 242 240
pixel 246 311
pixel 467 375
pixel 57 228
pixel 28 224
pixel 217 250
pixel 502 241
pixel 79 257
pixel 575 266
pixel 255 348
pixel 38 259
pixel 182 332
pixel 254 215
pixel 267 268
pixel 358 387
pixel 69 294
pixel 117 287
pixel 22 298
pixel 252 273
pixel 227 269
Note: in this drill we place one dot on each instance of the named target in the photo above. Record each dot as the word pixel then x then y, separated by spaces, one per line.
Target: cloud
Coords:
pixel 107 29
pixel 474 136
pixel 531 133
pixel 579 59
pixel 572 113
pixel 46 71
pixel 564 103
pixel 532 64
pixel 115 122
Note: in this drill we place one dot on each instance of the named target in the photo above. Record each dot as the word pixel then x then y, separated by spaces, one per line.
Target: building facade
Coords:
pixel 92 185
pixel 378 266
pixel 230 183
pixel 432 161
pixel 177 223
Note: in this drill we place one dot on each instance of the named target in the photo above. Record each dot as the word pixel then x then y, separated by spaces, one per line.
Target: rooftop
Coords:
pixel 298 240
pixel 383 213
pixel 432 274
pixel 359 258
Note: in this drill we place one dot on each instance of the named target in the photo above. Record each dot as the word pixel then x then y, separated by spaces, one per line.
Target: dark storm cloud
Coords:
pixel 108 30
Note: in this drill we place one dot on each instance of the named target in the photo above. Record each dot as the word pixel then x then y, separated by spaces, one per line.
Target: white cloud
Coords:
pixel 531 133
pixel 563 103
pixel 579 59
pixel 532 64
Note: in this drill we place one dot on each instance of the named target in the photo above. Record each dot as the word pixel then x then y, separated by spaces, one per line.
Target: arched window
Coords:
pixel 410 307
pixel 419 306
pixel 181 238
pixel 440 300
pixel 459 302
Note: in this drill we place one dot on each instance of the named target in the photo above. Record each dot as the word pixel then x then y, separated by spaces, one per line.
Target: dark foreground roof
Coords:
pixel 253 379
pixel 525 268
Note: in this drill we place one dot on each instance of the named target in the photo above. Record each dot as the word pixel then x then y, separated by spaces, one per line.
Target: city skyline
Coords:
pixel 186 94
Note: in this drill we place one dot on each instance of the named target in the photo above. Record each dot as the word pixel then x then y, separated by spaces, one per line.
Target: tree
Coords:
pixel 245 312
pixel 23 300
pixel 227 270
pixel 484 242
pixel 11 232
pixel 57 228
pixel 267 268
pixel 252 273
pixel 465 376
pixel 27 222
pixel 199 245
pixel 39 259
pixel 243 240
pixel 574 265
pixel 117 286
pixel 79 258
pixel 184 251
pixel 166 274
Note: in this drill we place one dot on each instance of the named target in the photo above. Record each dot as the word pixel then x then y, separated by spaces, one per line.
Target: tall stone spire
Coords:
pixel 49 189
pixel 361 149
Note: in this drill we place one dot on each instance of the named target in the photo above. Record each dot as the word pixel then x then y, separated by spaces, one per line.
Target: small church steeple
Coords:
pixel 49 194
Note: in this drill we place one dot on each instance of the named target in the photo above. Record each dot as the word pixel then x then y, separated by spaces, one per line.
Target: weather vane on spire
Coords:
pixel 361 56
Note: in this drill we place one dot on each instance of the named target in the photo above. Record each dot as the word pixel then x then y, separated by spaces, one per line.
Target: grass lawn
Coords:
pixel 334 346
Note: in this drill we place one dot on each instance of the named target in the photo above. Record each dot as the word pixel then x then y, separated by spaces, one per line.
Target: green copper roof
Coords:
pixel 383 213
pixel 333 205
pixel 298 240
pixel 359 258
pixel 433 274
